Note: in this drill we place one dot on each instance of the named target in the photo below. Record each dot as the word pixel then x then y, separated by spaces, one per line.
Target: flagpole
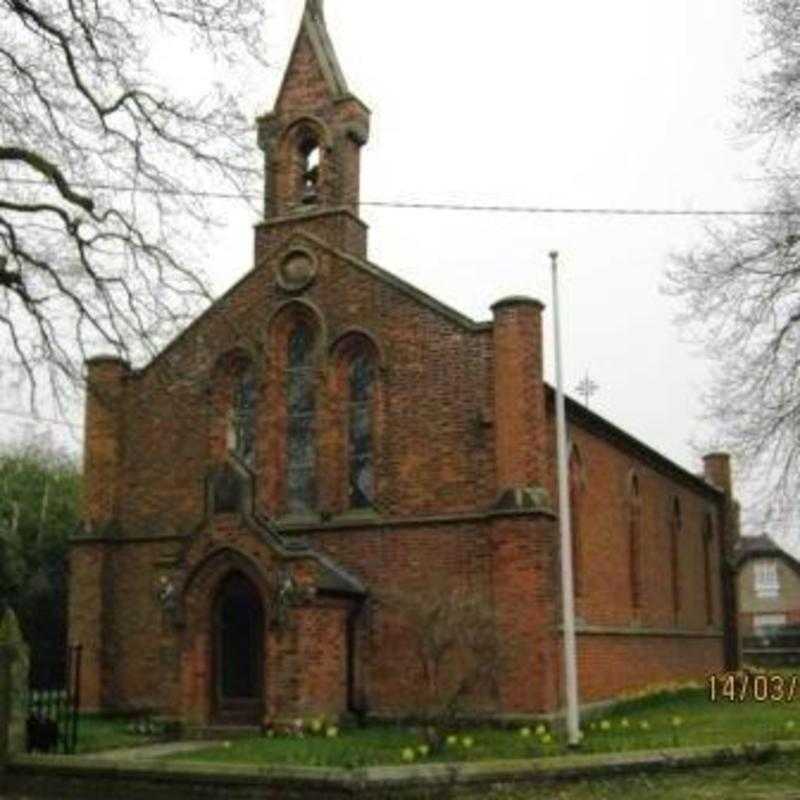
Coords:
pixel 564 522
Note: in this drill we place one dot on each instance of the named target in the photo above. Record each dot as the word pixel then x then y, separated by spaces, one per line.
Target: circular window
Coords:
pixel 297 271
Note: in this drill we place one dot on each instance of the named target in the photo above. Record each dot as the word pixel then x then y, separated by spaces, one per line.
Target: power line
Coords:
pixel 9 413
pixel 501 209
pixel 617 212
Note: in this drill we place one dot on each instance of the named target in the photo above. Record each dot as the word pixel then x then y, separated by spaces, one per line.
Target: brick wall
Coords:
pixel 460 417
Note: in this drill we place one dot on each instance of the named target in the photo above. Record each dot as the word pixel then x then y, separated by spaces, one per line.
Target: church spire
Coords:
pixel 315 8
pixel 314 33
pixel 313 137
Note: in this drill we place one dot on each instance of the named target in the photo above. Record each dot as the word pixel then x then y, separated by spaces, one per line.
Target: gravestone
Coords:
pixel 14 664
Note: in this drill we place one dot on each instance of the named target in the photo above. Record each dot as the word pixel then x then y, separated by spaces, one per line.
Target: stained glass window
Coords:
pixel 243 418
pixel 361 379
pixel 300 402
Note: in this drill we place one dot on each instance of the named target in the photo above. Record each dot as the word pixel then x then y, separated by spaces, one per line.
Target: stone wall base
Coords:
pixel 48 777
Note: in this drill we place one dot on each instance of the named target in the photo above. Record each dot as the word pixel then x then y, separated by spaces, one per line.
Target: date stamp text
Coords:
pixel 744 687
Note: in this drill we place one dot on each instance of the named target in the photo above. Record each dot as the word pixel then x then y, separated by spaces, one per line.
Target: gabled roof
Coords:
pixel 583 416
pixel 749 547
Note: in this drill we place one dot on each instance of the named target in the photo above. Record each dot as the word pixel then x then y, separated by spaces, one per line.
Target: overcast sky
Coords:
pixel 623 104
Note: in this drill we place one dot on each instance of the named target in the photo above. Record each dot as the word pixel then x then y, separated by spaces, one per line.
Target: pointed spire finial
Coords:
pixel 315 9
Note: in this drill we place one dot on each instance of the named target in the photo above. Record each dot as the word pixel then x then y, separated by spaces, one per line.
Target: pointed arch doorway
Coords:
pixel 237 623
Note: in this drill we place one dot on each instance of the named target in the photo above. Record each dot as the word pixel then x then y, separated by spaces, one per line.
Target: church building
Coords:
pixel 326 434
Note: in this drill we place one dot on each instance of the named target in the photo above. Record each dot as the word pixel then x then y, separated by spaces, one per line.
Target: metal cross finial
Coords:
pixel 586 388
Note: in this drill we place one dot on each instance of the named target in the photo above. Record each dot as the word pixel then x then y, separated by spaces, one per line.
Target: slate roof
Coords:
pixel 763 546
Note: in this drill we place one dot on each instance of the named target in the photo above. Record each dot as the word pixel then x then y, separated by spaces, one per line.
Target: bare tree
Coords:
pixel 742 288
pixel 105 173
pixel 452 636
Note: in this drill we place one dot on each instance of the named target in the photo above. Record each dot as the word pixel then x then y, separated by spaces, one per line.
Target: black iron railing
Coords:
pixel 52 718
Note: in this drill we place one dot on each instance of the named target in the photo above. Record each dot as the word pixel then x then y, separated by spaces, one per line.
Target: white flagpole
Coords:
pixel 567 590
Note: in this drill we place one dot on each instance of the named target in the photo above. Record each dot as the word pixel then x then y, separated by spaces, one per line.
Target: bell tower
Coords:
pixel 312 142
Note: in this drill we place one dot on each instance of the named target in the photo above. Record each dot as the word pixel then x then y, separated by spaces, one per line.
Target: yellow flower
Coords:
pixel 547 739
pixel 644 725
pixel 227 745
pixel 452 741
pixel 677 722
pixel 625 724
pixel 541 730
pixel 408 754
pixel 605 725
pixel 790 725
pixel 332 732
pixel 467 741
pixel 423 750
pixel 316 725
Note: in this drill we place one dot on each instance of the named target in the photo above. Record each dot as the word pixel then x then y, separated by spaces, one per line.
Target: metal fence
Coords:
pixel 53 713
pixel 772 647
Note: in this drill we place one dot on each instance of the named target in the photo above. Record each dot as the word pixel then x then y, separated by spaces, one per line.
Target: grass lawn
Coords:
pixel 666 719
pixel 97 732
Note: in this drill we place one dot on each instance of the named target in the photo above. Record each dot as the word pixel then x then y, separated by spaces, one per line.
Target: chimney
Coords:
pixel 102 438
pixel 717 471
pixel 519 401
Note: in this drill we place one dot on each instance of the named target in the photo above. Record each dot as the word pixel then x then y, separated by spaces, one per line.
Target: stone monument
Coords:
pixel 14 663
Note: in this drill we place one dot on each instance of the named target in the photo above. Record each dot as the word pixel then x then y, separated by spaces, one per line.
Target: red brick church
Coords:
pixel 326 432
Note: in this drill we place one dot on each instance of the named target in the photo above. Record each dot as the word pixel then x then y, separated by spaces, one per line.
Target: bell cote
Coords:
pixel 313 137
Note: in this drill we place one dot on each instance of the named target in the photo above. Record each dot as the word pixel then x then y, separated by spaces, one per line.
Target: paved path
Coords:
pixel 149 751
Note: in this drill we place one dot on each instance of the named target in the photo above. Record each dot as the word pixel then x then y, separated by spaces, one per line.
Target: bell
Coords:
pixel 310 195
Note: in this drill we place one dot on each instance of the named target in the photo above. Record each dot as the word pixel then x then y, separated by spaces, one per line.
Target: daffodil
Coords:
pixel 525 733
pixel 332 732
pixel 605 725
pixel 467 741
pixel 625 724
pixel 452 741
pixel 541 730
pixel 423 750
pixel 547 739
pixel 644 725
pixel 408 754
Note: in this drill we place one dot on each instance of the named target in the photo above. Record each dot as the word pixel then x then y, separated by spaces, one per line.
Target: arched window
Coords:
pixel 575 509
pixel 676 524
pixel 242 430
pixel 301 408
pixel 360 429
pixel 708 541
pixel 635 541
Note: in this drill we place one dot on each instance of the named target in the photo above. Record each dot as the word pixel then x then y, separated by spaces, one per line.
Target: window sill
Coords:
pixel 356 514
pixel 299 520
